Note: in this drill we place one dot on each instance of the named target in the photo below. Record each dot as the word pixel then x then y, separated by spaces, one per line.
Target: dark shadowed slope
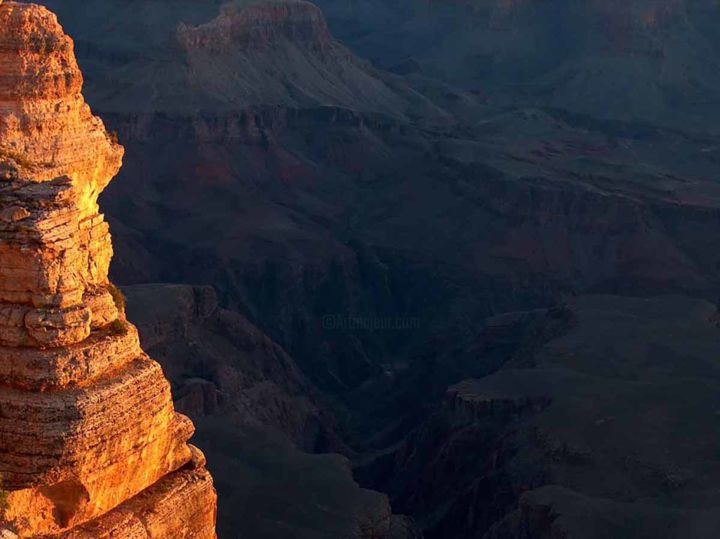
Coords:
pixel 607 431
pixel 253 410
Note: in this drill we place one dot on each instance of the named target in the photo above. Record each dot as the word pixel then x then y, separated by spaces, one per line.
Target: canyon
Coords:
pixel 457 165
pixel 90 443
pixel 601 420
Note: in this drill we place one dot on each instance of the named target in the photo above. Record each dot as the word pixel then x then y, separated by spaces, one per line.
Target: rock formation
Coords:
pixel 221 365
pixel 598 432
pixel 286 56
pixel 90 444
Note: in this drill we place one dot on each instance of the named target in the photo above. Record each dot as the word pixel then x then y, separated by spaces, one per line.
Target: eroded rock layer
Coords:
pixel 90 443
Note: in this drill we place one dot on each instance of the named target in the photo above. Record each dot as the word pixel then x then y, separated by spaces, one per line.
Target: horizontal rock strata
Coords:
pixel 90 443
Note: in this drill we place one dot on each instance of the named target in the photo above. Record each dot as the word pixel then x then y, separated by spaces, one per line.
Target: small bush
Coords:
pixel 118 297
pixel 117 327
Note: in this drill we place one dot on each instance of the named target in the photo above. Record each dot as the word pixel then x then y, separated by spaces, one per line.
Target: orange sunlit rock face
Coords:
pixel 90 443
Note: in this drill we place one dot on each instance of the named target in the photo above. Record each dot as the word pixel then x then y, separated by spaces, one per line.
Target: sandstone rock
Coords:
pixel 259 25
pixel 90 442
pixel 287 56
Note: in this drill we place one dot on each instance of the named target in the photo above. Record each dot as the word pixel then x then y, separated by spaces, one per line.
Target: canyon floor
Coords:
pixel 471 246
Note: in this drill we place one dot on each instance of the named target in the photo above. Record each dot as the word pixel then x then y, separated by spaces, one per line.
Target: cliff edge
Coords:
pixel 90 443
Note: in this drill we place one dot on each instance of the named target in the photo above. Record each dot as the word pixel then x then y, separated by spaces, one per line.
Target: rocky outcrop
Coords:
pixel 282 53
pixel 598 432
pixel 260 25
pixel 225 370
pixel 208 61
pixel 89 438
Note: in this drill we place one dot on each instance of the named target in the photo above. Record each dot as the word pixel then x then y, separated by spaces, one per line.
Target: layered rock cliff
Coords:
pixel 90 443
pixel 608 429
pixel 281 53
